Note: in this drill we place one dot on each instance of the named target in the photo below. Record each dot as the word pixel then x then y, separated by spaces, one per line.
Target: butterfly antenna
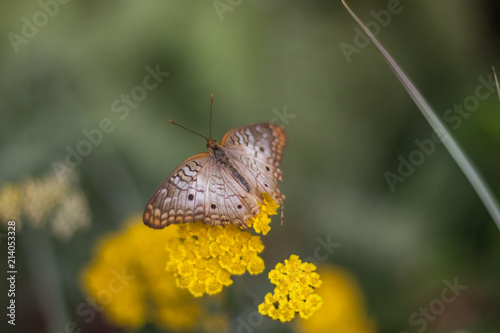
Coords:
pixel 187 129
pixel 210 128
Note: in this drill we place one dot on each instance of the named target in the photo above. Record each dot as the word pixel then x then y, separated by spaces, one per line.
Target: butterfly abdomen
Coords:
pixel 239 178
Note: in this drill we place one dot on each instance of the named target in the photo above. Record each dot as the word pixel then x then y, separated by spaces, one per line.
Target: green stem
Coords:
pixel 44 273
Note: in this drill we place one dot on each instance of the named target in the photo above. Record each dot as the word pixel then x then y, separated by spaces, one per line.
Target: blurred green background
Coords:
pixel 347 123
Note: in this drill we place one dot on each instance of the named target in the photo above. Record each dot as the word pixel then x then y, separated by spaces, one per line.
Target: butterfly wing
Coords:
pixel 199 190
pixel 228 202
pixel 256 151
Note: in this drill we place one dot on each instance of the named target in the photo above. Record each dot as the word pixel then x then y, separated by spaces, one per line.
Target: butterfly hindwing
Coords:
pixel 233 204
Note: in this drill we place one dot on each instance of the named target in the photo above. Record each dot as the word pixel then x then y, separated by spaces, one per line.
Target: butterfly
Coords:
pixel 225 185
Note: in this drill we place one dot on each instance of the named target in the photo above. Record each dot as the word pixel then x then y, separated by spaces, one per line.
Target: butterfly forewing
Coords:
pixel 264 141
pixel 172 199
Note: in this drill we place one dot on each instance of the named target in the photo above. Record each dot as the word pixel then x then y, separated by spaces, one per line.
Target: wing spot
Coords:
pixel 261 149
pixel 240 206
pixel 213 206
pixel 190 197
pixel 266 185
pixel 267 168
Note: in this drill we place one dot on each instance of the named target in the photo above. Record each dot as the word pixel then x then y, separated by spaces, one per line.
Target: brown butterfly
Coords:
pixel 225 185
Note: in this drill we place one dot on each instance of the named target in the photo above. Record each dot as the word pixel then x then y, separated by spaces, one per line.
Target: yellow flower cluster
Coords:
pixel 260 222
pixel 145 292
pixel 294 292
pixel 10 202
pixel 58 202
pixel 343 307
pixel 203 257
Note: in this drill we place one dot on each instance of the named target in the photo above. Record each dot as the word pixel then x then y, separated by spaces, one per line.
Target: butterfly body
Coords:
pixel 221 158
pixel 224 185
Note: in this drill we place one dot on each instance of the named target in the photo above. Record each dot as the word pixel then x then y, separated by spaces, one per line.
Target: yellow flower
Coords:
pixel 58 202
pixel 146 292
pixel 72 208
pixel 41 196
pixel 294 292
pixel 342 308
pixel 260 222
pixel 10 203
pixel 204 257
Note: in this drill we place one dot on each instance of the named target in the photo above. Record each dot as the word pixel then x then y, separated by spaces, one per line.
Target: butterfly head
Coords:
pixel 212 144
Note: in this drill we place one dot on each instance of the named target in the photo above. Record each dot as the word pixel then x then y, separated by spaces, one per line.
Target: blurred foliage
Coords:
pixel 343 306
pixel 129 282
pixel 347 124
